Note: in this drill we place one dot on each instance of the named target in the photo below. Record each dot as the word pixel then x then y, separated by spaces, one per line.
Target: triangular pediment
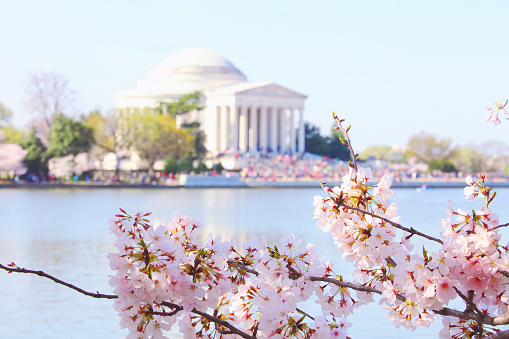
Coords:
pixel 265 89
pixel 272 90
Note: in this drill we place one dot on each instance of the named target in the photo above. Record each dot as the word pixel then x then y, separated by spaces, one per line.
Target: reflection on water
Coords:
pixel 65 233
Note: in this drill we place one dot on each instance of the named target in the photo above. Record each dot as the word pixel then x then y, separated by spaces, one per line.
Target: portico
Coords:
pixel 261 119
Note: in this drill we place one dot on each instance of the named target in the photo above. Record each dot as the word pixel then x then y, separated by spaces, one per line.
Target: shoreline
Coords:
pixel 211 183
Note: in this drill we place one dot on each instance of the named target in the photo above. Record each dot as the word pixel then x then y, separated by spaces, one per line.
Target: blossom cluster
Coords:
pixel 470 264
pixel 214 290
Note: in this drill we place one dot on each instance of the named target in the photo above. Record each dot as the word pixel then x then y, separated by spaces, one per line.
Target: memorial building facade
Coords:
pixel 237 116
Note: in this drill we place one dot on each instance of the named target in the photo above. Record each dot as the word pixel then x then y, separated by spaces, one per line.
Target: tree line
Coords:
pixel 56 132
pixel 440 154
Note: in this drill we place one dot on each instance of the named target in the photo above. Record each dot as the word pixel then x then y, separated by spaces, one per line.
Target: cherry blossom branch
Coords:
pixel 339 283
pixel 323 279
pixel 496 110
pixel 98 295
pixel 348 143
pixel 410 230
pixel 58 281
pixel 467 314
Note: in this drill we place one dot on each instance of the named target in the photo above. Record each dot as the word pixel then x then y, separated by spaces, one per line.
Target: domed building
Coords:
pixel 238 115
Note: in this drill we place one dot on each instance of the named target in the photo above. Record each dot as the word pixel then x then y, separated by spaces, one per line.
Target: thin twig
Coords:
pixel 345 133
pixel 346 284
pixel 352 286
pixel 391 262
pixel 233 329
pixel 166 314
pixel 499 226
pixel 242 267
pixel 58 281
pixel 304 313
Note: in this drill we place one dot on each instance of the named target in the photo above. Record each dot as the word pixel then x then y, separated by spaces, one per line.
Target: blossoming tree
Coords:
pixel 216 289
pixel 11 159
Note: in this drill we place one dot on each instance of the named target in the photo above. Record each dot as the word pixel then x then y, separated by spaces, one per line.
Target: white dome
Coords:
pixel 189 70
pixel 193 61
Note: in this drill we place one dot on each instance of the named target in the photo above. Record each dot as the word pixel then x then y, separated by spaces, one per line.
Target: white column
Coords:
pixel 234 128
pixel 253 130
pixel 292 131
pixel 263 129
pixel 301 131
pixel 282 130
pixel 217 139
pixel 243 132
pixel 209 125
pixel 273 129
pixel 225 129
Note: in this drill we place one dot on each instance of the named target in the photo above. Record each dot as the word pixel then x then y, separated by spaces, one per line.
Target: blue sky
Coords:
pixel 391 68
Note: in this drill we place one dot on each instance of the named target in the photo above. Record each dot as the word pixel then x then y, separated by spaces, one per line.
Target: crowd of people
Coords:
pixel 311 167
pixel 288 167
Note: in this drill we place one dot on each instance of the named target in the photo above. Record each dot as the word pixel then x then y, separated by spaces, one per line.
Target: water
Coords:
pixel 64 232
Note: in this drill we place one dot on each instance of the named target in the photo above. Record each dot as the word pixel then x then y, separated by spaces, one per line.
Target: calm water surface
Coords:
pixel 65 233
